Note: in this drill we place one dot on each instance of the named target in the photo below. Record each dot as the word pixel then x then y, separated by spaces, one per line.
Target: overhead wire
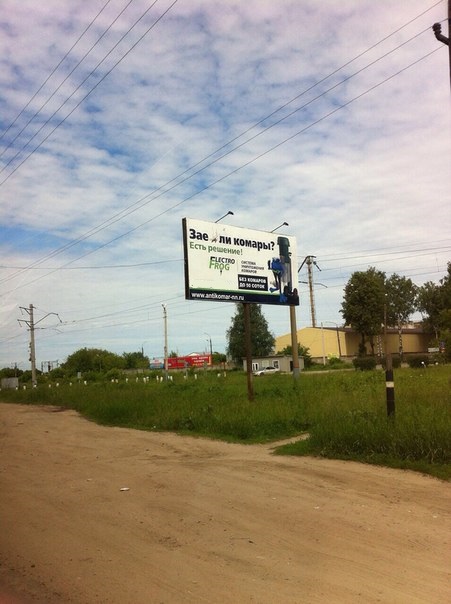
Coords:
pixel 142 202
pixel 425 252
pixel 174 314
pixel 100 266
pixel 336 258
pixel 75 323
pixel 80 85
pixel 60 86
pixel 125 213
pixel 375 251
pixel 239 168
pixel 54 70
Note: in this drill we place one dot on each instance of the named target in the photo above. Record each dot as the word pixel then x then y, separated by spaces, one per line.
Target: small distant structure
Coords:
pixel 10 383
pixel 284 363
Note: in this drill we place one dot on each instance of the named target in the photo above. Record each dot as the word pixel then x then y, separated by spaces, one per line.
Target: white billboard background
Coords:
pixel 234 264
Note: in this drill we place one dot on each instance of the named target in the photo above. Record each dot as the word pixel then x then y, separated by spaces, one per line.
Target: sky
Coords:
pixel 119 118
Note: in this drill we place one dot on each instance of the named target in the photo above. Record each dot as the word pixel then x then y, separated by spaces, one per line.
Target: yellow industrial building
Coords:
pixel 343 342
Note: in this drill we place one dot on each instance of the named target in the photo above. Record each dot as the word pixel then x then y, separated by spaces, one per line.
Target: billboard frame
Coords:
pixel 224 263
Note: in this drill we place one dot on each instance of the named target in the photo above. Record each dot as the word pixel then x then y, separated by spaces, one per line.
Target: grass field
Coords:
pixel 344 413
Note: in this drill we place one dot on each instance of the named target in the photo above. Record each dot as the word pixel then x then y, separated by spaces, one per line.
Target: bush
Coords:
pixel 57 374
pixel 365 363
pixel 418 361
pixel 334 362
pixel 91 376
pixel 26 376
pixel 113 374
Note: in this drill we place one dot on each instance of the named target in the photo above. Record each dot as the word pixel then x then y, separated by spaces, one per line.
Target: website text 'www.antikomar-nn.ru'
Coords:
pixel 215 296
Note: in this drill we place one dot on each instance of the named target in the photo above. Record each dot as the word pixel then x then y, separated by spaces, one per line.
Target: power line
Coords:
pixel 139 321
pixel 175 314
pixel 49 76
pixel 83 98
pixel 142 201
pixel 76 89
pixel 60 86
pixel 414 254
pixel 335 258
pixel 246 164
pixel 358 254
pixel 156 305
pixel 139 203
pixel 106 266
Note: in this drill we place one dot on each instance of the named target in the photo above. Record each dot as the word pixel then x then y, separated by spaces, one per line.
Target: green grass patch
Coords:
pixel 344 412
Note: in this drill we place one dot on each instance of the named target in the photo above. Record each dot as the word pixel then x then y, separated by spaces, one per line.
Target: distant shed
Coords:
pixel 284 363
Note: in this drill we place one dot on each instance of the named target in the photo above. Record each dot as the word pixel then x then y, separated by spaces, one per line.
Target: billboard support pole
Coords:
pixel 294 341
pixel 165 319
pixel 248 345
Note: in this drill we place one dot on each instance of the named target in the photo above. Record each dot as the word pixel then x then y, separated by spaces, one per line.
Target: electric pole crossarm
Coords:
pixel 28 322
pixel 31 324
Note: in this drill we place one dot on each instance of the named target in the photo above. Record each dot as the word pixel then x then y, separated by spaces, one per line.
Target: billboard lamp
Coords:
pixel 280 225
pixel 229 212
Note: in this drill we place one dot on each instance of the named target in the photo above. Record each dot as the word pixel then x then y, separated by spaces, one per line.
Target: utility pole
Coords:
pixel 211 346
pixel 293 328
pixel 165 318
pixel 31 327
pixel 30 323
pixel 294 342
pixel 310 287
pixel 310 262
pixel 248 346
pixel 437 29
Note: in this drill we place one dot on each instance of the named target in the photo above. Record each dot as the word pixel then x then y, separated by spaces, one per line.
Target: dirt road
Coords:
pixel 206 522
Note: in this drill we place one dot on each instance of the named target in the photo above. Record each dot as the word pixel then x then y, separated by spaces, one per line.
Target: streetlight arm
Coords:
pixel 229 213
pixel 437 28
pixel 280 225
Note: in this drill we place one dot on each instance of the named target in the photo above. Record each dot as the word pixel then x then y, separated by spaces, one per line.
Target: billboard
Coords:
pixel 231 264
pixel 191 360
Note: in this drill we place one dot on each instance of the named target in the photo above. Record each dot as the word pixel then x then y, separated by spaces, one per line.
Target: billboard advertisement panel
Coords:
pixel 225 263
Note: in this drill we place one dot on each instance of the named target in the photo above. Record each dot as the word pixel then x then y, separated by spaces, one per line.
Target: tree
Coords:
pixel 218 358
pixel 445 299
pixel 262 340
pixel 8 372
pixel 429 304
pixel 434 303
pixel 92 359
pixel 135 360
pixel 401 297
pixel 363 305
